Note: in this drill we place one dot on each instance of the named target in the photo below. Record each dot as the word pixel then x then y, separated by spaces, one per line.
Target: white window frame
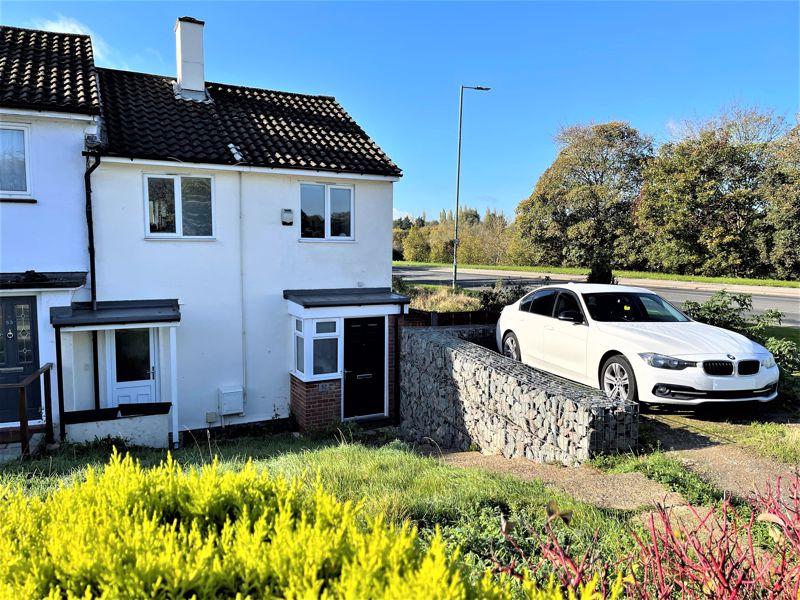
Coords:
pixel 309 334
pixel 26 137
pixel 328 187
pixel 298 333
pixel 176 178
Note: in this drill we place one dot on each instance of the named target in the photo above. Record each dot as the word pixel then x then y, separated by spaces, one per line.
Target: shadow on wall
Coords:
pixel 459 393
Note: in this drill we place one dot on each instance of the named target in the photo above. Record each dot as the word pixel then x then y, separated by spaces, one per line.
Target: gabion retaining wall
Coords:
pixel 461 395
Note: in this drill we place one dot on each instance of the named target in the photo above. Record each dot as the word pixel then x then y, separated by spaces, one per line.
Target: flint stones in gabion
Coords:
pixel 459 394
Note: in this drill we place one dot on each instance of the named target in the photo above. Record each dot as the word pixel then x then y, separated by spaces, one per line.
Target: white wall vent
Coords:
pixel 231 400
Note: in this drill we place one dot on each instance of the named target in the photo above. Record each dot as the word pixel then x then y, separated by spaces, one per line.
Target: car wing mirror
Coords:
pixel 573 316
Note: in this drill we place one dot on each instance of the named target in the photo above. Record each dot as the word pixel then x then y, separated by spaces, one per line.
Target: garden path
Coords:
pixel 729 467
pixel 623 491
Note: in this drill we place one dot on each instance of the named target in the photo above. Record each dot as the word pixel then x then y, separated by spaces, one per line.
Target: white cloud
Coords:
pixel 149 60
pixel 63 24
pixel 399 214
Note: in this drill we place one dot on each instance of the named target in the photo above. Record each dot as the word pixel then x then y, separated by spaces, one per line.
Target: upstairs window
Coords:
pixel 326 212
pixel 179 206
pixel 14 175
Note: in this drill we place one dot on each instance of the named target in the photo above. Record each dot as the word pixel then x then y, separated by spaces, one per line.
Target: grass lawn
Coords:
pixel 625 274
pixel 783 332
pixel 780 441
pixel 389 478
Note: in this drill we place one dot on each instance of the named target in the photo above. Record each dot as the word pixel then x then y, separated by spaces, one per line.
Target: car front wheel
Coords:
pixel 511 346
pixel 617 379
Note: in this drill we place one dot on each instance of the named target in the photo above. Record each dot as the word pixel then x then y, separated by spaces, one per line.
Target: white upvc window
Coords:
pixel 326 212
pixel 15 171
pixel 317 348
pixel 179 206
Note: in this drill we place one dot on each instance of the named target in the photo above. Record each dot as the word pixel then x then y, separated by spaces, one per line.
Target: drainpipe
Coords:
pixel 87 184
pixel 242 289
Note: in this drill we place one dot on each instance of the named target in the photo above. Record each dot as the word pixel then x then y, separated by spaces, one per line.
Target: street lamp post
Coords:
pixel 478 88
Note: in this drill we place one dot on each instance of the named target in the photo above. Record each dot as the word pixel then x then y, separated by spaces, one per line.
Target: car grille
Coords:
pixel 681 392
pixel 748 367
pixel 718 367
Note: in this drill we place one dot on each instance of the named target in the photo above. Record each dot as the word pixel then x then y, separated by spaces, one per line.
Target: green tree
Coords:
pixel 782 191
pixel 403 223
pixel 703 205
pixel 582 204
pixel 416 245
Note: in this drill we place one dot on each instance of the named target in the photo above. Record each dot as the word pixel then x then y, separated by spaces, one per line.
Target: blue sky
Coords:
pixel 396 68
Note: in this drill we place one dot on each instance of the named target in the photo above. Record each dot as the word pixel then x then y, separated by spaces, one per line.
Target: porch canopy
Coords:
pixel 122 312
pixel 321 298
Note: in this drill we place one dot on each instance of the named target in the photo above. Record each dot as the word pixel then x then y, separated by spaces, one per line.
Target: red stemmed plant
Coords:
pixel 695 553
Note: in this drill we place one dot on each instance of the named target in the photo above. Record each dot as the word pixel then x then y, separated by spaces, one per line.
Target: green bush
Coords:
pixel 502 294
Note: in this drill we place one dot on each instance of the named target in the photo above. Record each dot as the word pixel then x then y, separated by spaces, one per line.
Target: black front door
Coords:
pixel 364 367
pixel 19 356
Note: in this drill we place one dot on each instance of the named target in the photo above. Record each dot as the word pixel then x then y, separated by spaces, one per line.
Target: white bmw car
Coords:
pixel 634 345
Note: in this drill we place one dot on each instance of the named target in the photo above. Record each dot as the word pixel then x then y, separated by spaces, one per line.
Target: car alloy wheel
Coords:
pixel 616 381
pixel 511 347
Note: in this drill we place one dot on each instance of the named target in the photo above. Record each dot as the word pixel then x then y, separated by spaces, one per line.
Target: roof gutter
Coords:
pixel 251 169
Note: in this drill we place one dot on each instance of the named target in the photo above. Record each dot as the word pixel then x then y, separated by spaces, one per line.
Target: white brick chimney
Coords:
pixel 189 53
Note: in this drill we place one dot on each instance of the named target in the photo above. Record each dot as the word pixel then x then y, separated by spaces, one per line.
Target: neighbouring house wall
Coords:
pixel 45 299
pixel 51 234
pixel 216 302
pixel 459 394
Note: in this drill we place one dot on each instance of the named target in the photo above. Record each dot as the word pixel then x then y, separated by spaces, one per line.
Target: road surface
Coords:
pixel 787 301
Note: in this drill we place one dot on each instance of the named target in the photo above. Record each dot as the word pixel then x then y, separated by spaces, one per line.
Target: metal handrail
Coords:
pixel 23 409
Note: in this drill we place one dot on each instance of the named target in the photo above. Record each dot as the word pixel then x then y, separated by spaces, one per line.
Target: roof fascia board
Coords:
pixel 44 114
pixel 247 169
pixel 115 326
pixel 37 290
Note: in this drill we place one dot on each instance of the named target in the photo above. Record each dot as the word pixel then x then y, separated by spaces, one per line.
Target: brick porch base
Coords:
pixel 316 404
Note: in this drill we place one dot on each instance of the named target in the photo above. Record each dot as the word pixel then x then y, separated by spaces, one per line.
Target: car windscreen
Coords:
pixel 631 307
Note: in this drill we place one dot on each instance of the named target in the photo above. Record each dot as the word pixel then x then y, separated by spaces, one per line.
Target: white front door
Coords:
pixel 133 366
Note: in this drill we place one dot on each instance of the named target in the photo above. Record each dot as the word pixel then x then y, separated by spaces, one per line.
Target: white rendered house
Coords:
pixel 44 121
pixel 242 260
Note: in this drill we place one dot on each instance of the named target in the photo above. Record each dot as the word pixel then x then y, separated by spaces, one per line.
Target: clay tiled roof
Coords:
pixel 145 118
pixel 42 70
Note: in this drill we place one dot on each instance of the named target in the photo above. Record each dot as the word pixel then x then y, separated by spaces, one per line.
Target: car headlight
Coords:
pixel 768 362
pixel 660 361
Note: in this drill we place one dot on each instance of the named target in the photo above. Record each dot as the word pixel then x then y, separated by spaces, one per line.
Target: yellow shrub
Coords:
pixel 444 300
pixel 165 532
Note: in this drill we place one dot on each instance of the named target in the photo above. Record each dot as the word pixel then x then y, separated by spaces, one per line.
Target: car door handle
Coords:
pixel 549 328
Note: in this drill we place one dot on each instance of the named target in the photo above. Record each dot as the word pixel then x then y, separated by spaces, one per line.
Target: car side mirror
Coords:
pixel 573 316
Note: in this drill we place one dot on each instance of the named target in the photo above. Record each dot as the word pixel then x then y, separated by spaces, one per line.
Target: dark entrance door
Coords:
pixel 364 367
pixel 19 356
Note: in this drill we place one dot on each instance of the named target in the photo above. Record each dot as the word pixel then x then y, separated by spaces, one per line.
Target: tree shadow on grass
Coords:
pixel 664 434
pixel 687 428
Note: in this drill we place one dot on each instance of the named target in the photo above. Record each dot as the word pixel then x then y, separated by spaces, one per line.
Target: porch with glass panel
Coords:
pixel 117 372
